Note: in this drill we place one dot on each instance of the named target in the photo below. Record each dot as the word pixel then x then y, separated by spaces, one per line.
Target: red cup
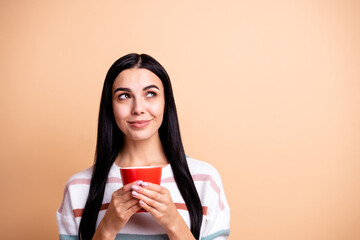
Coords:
pixel 150 174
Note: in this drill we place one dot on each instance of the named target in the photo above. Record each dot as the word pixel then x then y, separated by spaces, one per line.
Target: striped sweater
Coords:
pixel 216 211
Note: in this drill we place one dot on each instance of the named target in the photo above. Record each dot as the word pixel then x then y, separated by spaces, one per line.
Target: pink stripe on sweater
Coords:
pixel 113 180
pixel 84 181
pixel 72 182
pixel 201 177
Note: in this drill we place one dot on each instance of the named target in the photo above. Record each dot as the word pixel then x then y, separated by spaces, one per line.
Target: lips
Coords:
pixel 139 123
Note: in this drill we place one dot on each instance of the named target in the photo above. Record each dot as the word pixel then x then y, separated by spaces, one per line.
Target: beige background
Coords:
pixel 267 91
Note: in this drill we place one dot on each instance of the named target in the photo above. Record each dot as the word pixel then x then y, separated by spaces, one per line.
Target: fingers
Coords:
pixel 154 187
pixel 135 208
pixel 151 190
pixel 157 201
pixel 125 189
pixel 152 194
pixel 123 197
pixel 131 203
pixel 146 192
pixel 147 207
pixel 152 202
pixel 153 197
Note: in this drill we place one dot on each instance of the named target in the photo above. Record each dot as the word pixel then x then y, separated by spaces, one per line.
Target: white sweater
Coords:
pixel 216 216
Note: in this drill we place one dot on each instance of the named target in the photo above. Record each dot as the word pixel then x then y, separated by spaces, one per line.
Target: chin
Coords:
pixel 140 137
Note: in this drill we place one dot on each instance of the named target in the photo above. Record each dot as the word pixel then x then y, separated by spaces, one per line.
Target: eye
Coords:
pixel 124 96
pixel 151 94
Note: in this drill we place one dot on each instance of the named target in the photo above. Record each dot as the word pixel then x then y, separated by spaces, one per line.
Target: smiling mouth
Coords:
pixel 139 124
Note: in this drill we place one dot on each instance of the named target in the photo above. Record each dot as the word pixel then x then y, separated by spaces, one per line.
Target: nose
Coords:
pixel 138 107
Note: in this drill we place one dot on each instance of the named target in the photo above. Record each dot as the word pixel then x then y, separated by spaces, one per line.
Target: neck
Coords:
pixel 147 152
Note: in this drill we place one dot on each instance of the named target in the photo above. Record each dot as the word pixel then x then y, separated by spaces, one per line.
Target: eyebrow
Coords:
pixel 129 90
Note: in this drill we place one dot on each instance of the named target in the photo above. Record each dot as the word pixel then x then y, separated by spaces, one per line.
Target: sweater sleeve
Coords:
pixel 217 220
pixel 66 221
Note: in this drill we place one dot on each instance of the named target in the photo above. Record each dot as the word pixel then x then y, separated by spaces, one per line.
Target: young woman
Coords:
pixel 138 126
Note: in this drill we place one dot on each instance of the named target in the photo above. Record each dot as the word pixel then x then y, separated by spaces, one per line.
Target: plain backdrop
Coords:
pixel 267 91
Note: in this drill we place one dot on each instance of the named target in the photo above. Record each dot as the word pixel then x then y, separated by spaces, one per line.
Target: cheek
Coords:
pixel 119 114
pixel 157 109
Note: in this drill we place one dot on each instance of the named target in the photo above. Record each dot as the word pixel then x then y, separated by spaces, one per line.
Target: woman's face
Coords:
pixel 138 103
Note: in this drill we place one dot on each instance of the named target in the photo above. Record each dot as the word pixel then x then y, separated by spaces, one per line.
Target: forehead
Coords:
pixel 136 79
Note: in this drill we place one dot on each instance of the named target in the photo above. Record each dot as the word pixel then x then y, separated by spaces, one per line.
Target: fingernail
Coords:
pixel 144 184
pixel 135 187
pixel 141 202
pixel 139 182
pixel 134 193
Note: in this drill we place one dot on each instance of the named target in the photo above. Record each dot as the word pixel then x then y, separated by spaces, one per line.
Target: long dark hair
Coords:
pixel 110 141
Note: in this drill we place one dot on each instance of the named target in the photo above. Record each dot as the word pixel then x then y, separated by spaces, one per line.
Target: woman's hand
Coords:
pixel 121 207
pixel 157 201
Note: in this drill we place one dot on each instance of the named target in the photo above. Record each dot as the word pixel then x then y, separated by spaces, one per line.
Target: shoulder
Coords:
pixel 74 198
pixel 209 184
pixel 205 176
pixel 79 183
pixel 201 167
pixel 76 191
pixel 84 174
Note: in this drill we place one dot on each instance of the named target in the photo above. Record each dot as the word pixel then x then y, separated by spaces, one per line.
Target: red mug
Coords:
pixel 150 174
